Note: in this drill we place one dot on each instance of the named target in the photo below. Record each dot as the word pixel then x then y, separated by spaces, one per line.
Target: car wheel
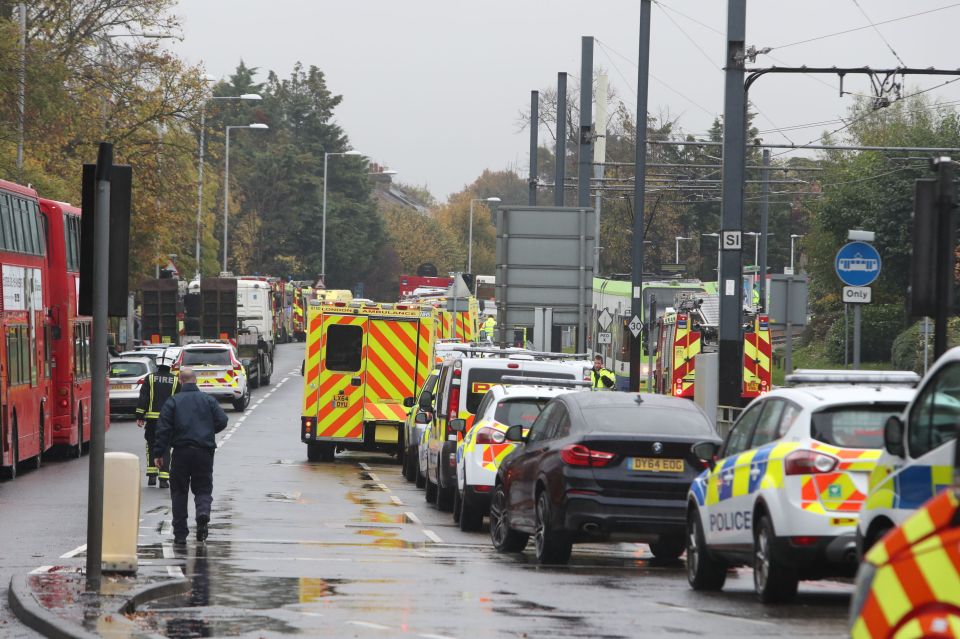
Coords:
pixel 457 505
pixel 552 546
pixel 431 491
pixel 471 517
pixel 241 404
pixel 444 495
pixel 410 465
pixel 668 548
pixel 773 580
pixel 703 571
pixel 256 380
pixel 876 533
pixel 504 538
pixel 421 479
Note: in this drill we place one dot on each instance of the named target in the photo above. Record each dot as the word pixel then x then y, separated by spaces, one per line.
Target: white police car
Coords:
pixel 784 491
pixel 484 446
pixel 917 461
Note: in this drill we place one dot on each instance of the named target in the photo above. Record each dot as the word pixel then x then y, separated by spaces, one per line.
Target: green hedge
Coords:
pixel 880 327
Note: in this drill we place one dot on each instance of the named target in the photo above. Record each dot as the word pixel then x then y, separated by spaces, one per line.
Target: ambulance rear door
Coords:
pixel 343 372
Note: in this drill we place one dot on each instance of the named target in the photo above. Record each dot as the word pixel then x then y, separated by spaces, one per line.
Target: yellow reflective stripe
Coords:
pixel 911 629
pixel 938 569
pixel 860 630
pixel 895 604
pixel 918 526
pixel 741 473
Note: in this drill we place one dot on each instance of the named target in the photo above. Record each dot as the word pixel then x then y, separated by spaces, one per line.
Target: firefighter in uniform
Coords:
pixel 602 378
pixel 153 393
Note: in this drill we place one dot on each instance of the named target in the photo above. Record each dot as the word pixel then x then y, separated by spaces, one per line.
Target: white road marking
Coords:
pixel 41 570
pixel 382 487
pixel 364 466
pixel 81 548
pixel 173 571
pixel 412 517
pixel 367 624
pixel 373 477
pixel 435 636
pixel 396 500
pixel 432 536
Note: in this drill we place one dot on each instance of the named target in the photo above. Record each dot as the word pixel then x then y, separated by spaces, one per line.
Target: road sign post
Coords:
pixel 857 265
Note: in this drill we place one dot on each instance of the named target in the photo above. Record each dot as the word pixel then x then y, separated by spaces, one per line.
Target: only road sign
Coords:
pixel 635 326
pixel 858 264
pixel 857 294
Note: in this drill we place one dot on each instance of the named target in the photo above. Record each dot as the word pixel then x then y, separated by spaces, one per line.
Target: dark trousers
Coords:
pixel 150 434
pixel 190 469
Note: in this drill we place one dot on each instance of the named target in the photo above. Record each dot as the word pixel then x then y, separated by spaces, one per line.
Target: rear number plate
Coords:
pixel 121 386
pixel 657 465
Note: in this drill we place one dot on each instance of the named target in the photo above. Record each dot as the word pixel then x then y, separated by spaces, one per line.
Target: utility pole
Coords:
pixel 585 157
pixel 764 226
pixel 599 157
pixel 534 146
pixel 946 244
pixel 639 182
pixel 560 157
pixel 731 212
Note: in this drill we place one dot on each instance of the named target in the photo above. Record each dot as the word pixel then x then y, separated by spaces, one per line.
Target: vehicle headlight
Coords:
pixel 861 591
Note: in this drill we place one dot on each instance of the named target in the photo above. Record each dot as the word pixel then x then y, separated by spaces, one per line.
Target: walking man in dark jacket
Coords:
pixel 188 423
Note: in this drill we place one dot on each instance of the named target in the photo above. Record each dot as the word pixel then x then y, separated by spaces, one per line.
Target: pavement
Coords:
pixel 350 549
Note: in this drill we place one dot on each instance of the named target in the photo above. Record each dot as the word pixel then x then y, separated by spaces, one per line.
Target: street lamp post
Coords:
pixel 492 200
pixel 793 236
pixel 756 244
pixel 323 230
pixel 676 258
pixel 203 125
pixel 716 235
pixel 226 184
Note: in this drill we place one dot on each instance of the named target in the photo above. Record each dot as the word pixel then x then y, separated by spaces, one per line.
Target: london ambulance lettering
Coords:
pixel 757 352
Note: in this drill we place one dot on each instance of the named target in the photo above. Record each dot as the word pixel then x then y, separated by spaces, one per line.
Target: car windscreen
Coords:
pixel 853 426
pixel 646 420
pixel 513 412
pixel 206 357
pixel 128 369
pixel 479 381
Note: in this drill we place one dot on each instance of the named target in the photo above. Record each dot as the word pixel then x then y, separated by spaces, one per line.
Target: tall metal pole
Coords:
pixel 98 365
pixel 585 157
pixel 599 157
pixel 534 146
pixel 470 240
pixel 640 177
pixel 731 212
pixel 560 157
pixel 764 226
pixel 22 82
pixel 856 336
pixel 323 229
pixel 203 126
pixel 226 198
pixel 946 243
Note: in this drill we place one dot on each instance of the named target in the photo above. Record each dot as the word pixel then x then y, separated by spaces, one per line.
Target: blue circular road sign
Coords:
pixel 858 264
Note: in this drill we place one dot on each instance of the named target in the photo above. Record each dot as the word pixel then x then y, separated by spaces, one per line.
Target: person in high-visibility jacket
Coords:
pixel 154 391
pixel 602 378
pixel 489 326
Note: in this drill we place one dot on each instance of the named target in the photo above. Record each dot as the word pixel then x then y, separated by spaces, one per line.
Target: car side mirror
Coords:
pixel 409 402
pixel 457 425
pixel 426 401
pixel 707 451
pixel 893 436
pixel 515 433
pixel 422 418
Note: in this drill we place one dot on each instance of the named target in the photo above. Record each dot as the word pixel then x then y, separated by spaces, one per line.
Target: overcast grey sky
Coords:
pixel 432 88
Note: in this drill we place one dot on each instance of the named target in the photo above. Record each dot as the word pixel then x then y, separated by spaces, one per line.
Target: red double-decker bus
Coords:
pixel 70 332
pixel 25 350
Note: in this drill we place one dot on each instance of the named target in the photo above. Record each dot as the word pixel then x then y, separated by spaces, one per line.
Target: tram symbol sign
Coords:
pixel 858 264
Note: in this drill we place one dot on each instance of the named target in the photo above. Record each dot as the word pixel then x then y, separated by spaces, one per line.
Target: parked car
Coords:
pixel 599 466
pixel 219 372
pixel 413 430
pixel 127 374
pixel 784 492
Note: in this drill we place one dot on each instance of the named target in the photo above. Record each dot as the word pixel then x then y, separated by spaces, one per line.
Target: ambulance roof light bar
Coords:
pixel 519 351
pixel 888 378
pixel 543 381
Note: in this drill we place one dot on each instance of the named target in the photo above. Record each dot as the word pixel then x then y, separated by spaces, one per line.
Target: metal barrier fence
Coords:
pixel 726 416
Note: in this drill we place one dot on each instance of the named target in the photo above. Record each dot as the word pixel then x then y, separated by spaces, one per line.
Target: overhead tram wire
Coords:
pixel 885 41
pixel 683 15
pixel 876 24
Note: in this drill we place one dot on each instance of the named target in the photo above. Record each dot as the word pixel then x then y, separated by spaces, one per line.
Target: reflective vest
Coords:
pixel 603 379
pixel 154 392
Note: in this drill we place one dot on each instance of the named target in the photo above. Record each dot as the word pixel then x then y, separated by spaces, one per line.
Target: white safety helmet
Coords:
pixel 165 359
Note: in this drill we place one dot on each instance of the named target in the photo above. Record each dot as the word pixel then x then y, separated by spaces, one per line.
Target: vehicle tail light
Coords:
pixel 140 381
pixel 453 405
pixel 453 460
pixel 511 365
pixel 805 540
pixel 487 435
pixel 808 462
pixel 64 403
pixel 580 455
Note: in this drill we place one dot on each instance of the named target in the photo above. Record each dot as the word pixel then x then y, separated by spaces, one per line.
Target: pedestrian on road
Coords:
pixel 189 422
pixel 153 393
pixel 602 378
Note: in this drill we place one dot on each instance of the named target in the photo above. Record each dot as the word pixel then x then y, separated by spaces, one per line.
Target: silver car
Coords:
pixel 127 376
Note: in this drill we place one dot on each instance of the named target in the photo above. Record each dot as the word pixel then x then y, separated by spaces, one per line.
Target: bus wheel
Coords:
pixel 77 450
pixel 38 460
pixel 11 470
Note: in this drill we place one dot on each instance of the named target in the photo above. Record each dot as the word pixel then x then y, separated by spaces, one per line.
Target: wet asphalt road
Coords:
pixel 350 549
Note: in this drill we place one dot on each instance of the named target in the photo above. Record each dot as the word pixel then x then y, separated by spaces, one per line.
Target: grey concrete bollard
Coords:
pixel 121 512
